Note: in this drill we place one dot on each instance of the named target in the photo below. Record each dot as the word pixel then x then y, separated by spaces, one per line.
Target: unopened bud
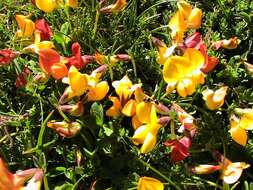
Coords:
pixel 74 110
pixel 122 57
pixel 164 120
pixel 204 169
pixel 65 129
pixel 158 43
pixel 162 109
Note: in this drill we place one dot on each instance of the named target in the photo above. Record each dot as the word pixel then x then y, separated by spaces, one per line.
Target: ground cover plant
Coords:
pixel 152 94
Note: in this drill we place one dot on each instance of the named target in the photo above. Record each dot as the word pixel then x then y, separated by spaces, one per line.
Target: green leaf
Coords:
pixel 64 187
pixel 65 28
pixel 97 111
pixel 107 131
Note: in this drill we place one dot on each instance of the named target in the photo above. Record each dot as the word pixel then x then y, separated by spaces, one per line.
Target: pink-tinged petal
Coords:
pixel 180 148
pixel 193 41
pixel 21 78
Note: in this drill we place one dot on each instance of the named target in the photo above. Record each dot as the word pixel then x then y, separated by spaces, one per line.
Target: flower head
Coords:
pixel 148 183
pixel 8 181
pixel 26 26
pixel 231 43
pixel 238 133
pixel 183 72
pixel 44 28
pixel 214 99
pixel 65 129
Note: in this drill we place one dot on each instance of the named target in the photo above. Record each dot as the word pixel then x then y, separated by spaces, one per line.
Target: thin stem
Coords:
pixel 79 180
pixel 96 24
pixel 160 174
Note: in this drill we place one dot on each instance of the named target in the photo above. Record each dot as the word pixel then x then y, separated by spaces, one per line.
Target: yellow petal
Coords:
pixel 139 94
pixel 77 81
pixel 140 135
pixel 136 123
pixel 194 19
pixel 143 111
pixel 195 57
pixel 238 134
pixel 184 8
pixel 181 89
pixel 46 5
pixel 123 88
pixel 98 92
pixel 115 110
pixel 72 3
pixel 173 69
pixel 149 143
pixel 149 183
pixel 129 108
pixel 247 121
pixel 165 53
pixel 178 27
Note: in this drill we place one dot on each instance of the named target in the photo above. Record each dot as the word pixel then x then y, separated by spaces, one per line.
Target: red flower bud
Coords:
pixel 7 55
pixel 44 28
pixel 21 78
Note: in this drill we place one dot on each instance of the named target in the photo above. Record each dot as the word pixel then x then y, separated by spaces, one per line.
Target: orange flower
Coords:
pixel 118 6
pixel 26 26
pixel 31 177
pixel 214 99
pixel 231 43
pixel 149 183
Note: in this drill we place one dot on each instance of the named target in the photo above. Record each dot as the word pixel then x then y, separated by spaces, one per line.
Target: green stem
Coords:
pixel 160 174
pixel 79 180
pixel 46 187
pixel 96 24
pixel 208 182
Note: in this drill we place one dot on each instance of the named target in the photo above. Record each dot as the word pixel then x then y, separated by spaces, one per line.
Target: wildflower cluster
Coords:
pixel 149 124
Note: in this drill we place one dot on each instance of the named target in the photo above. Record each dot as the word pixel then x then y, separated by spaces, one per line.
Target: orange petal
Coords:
pixel 149 183
pixel 47 58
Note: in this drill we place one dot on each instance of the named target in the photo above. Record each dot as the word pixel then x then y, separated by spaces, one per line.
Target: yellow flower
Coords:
pixel 149 183
pixel 178 27
pixel 38 45
pixel 238 133
pixel 214 99
pixel 246 121
pixel 78 84
pixel 147 134
pixel 71 3
pixel 232 171
pixel 118 6
pixel 124 88
pixel 185 17
pixel 26 26
pixel 115 110
pixel 183 72
pixel 47 5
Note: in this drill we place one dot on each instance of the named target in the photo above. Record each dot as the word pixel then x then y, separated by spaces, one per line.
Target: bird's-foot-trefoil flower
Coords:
pixel 26 26
pixel 148 183
pixel 185 17
pixel 51 63
pixel 44 28
pixel 49 6
pixel 231 43
pixel 147 134
pixel 214 99
pixel 74 109
pixel 183 72
pixel 230 171
pixel 30 179
pixel 164 52
pixel 238 134
pixel 65 129
pixel 118 6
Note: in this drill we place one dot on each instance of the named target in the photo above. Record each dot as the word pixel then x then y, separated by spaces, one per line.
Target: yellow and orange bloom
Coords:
pixel 231 43
pixel 26 26
pixel 65 129
pixel 164 52
pixel 118 6
pixel 185 17
pixel 238 134
pixel 49 6
pixel 31 177
pixel 51 63
pixel 147 183
pixel 230 171
pixel 215 99
pixel 38 44
pixel 183 72
pixel 246 118
pixel 147 134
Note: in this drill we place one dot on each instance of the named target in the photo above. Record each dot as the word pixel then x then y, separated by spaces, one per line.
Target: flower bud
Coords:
pixel 164 120
pixel 205 169
pixel 65 129
pixel 162 109
pixel 7 55
pixel 74 110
